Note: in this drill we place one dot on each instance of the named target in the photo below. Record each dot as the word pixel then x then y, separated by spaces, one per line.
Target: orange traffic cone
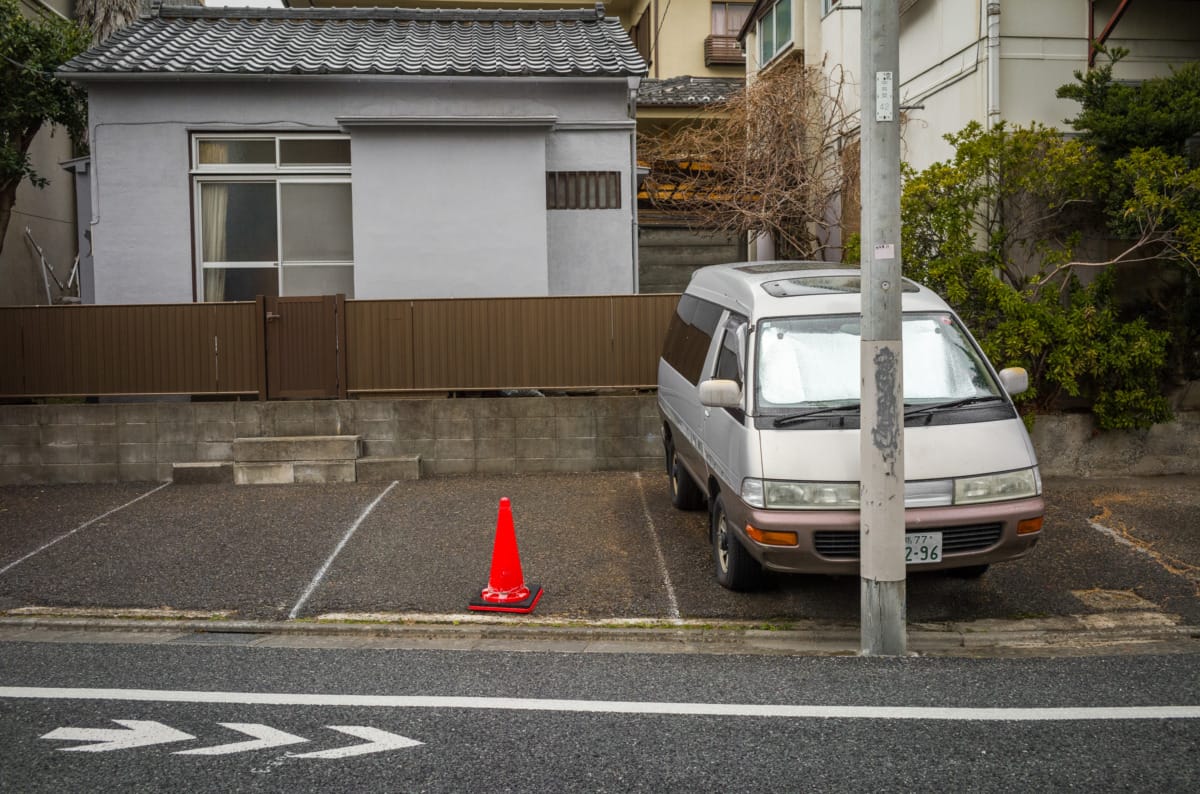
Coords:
pixel 506 590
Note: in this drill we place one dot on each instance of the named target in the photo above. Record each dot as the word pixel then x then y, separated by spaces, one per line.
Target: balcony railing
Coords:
pixel 723 51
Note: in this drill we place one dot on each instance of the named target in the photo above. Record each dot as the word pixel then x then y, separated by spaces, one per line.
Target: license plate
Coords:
pixel 922 547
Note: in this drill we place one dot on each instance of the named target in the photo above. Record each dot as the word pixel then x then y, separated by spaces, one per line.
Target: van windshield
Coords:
pixel 813 362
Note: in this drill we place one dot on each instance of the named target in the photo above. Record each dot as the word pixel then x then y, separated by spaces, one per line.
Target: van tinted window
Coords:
pixel 729 357
pixel 690 336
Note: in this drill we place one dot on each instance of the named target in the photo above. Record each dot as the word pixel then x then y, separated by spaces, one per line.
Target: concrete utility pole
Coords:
pixel 882 444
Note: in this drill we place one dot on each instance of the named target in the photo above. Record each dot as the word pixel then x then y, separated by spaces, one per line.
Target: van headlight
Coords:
pixel 997 487
pixel 785 495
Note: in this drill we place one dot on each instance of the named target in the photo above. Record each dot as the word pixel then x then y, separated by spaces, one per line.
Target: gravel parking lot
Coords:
pixel 605 546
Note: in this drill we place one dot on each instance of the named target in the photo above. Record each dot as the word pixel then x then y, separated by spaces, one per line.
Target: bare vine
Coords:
pixel 767 161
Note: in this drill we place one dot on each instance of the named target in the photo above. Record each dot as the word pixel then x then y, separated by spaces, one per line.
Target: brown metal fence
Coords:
pixel 506 343
pixel 390 346
pixel 190 348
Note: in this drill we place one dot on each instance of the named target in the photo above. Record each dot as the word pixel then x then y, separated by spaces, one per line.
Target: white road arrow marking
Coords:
pixel 377 742
pixel 265 736
pixel 137 733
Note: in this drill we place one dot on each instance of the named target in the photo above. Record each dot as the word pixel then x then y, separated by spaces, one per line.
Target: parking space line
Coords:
pixel 84 525
pixel 316 582
pixel 673 604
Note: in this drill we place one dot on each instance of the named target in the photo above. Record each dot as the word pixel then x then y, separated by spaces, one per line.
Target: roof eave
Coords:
pixel 108 77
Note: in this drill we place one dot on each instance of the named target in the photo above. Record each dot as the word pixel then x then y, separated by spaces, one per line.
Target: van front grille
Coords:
pixel 976 537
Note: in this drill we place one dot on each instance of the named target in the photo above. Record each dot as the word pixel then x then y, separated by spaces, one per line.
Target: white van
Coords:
pixel 758 388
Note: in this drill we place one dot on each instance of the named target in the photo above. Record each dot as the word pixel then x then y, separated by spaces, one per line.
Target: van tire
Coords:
pixel 968 571
pixel 736 569
pixel 685 494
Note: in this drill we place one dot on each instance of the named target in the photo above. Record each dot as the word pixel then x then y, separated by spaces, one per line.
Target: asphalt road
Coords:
pixel 754 724
pixel 605 546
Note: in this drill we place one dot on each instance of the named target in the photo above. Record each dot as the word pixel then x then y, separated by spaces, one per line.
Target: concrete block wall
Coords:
pixel 1071 446
pixel 141 441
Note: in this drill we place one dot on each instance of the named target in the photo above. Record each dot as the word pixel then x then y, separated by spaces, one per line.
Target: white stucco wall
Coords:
pixel 580 241
pixel 476 192
pixel 425 226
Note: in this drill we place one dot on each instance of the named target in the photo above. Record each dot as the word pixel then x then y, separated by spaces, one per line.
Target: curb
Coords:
pixel 1014 638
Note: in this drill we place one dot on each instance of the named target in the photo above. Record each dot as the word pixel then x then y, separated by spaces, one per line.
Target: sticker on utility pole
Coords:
pixel 883 96
pixel 885 251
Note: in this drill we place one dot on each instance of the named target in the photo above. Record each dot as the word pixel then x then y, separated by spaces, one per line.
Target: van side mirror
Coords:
pixel 1014 379
pixel 719 393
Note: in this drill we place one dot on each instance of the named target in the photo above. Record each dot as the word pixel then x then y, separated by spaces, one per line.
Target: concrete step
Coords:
pixel 300 459
pixel 388 469
pixel 281 449
pixel 284 472
pixel 202 473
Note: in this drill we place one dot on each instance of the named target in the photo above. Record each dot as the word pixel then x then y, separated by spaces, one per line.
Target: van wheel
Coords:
pixel 736 569
pixel 685 494
pixel 968 571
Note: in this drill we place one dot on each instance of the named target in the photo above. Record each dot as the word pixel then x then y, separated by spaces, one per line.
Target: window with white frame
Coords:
pixel 829 5
pixel 775 31
pixel 273 215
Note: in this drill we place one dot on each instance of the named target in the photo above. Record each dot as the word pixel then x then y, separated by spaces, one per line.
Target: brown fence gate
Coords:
pixel 305 346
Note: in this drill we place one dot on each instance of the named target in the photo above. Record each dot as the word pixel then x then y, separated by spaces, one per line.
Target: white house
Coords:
pixel 979 60
pixel 379 153
pixel 973 60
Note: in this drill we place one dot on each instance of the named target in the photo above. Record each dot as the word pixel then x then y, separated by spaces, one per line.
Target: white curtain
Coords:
pixel 214 216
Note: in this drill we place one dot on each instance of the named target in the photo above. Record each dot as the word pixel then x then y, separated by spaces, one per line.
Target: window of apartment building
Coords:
pixel 829 5
pixel 273 215
pixel 721 47
pixel 775 30
pixel 728 18
pixel 639 34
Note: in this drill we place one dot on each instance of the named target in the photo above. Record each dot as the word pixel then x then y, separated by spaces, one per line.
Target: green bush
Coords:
pixel 995 231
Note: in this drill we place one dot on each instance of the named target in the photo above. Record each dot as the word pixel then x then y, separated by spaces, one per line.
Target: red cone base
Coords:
pixel 506 590
pixel 524 606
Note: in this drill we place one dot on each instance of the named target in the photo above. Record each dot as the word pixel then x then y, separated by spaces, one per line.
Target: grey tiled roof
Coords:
pixel 221 41
pixel 688 91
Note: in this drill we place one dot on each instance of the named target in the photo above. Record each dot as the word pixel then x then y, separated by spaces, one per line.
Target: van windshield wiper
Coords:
pixel 791 419
pixel 946 406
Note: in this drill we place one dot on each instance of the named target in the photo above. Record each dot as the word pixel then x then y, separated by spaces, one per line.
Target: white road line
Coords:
pixel 673 604
pixel 315 583
pixel 1068 713
pixel 84 525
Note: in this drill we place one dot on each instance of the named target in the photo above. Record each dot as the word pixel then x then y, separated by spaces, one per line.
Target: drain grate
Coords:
pixel 219 638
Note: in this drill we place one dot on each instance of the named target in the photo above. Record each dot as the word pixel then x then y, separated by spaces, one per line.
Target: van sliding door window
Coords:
pixel 690 336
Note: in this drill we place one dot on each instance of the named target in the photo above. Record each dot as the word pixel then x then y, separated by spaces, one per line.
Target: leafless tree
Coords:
pixel 106 17
pixel 768 160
